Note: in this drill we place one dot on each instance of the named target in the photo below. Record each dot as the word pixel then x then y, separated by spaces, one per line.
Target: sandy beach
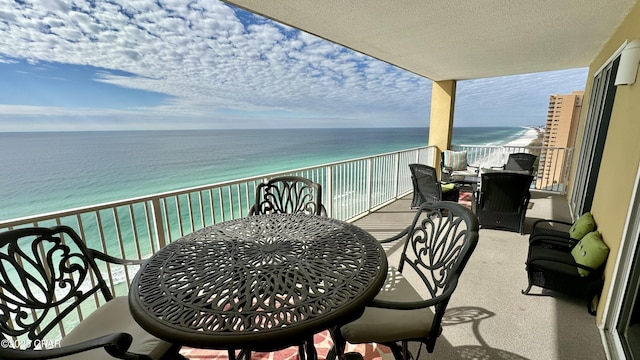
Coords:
pixel 527 138
pixel 496 155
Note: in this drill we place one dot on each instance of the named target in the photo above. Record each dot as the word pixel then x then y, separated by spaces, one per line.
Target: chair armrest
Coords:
pixel 413 305
pixel 525 201
pixel 557 242
pixel 535 223
pixel 114 260
pixel 398 236
pixel 115 344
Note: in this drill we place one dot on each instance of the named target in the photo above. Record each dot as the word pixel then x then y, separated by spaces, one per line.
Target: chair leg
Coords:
pixel 307 350
pixel 339 344
pixel 526 291
pixel 399 351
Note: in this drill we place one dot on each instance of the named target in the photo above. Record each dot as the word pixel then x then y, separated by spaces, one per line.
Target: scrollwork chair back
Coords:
pixel 437 249
pixel 290 195
pixel 44 276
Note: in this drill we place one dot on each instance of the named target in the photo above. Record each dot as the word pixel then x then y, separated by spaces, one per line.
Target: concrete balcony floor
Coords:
pixel 488 317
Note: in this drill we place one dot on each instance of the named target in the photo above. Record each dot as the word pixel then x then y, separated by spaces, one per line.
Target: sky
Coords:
pixel 202 64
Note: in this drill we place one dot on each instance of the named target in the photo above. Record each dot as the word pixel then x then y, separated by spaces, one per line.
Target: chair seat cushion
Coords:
pixel 463 173
pixel 493 170
pixel 384 325
pixel 558 261
pixel 114 317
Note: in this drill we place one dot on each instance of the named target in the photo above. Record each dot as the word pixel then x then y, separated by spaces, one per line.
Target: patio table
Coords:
pixel 259 283
pixel 468 183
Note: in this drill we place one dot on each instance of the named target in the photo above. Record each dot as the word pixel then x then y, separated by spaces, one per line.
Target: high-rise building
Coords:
pixel 563 115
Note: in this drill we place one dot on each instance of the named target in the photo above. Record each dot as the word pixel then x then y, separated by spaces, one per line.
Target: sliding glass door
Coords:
pixel 595 134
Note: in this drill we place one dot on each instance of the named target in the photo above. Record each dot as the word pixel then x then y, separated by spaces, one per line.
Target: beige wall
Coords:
pixel 443 98
pixel 621 156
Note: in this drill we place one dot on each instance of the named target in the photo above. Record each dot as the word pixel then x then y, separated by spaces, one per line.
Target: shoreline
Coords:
pixel 528 138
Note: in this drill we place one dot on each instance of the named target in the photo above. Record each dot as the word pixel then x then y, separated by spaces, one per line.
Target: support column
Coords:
pixel 443 100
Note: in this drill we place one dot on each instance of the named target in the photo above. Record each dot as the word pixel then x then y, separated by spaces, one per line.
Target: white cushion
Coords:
pixel 469 172
pixel 384 325
pixel 113 317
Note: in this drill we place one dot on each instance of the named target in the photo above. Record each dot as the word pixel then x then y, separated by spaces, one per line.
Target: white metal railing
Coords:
pixel 552 168
pixel 136 228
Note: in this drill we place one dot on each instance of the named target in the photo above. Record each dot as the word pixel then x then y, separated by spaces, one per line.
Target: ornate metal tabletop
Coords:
pixel 261 283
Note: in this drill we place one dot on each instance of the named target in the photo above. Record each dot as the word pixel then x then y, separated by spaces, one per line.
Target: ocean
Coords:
pixel 50 171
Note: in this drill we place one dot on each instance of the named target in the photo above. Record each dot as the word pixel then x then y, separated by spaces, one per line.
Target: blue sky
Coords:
pixel 138 64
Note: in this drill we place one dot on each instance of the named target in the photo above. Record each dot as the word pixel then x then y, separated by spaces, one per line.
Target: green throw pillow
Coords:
pixel 584 225
pixel 591 251
pixel 447 187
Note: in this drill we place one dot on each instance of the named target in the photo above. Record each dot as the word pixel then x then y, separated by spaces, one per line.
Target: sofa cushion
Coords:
pixel 455 160
pixel 581 227
pixel 590 251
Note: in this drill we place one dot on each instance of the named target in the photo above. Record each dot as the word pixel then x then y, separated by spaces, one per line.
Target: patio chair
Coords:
pixel 439 242
pixel 288 194
pixel 520 162
pixel 568 267
pixel 427 188
pixel 571 232
pixel 503 200
pixel 455 165
pixel 47 274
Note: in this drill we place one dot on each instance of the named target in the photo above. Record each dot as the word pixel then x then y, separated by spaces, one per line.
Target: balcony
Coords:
pixel 489 318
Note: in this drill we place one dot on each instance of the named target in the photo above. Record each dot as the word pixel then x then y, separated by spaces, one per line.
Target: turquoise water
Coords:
pixel 44 172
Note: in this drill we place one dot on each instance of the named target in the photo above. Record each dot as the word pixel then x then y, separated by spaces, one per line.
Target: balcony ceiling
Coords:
pixel 465 39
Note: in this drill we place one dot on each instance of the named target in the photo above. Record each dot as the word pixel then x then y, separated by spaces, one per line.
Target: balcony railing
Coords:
pixel 136 228
pixel 552 167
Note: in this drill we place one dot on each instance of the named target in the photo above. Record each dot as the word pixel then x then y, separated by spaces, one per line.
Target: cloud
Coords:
pixel 514 100
pixel 223 66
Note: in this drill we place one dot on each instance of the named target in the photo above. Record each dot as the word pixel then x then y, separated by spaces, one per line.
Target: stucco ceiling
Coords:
pixel 458 39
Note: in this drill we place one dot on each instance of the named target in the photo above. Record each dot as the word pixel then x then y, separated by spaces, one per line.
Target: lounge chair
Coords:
pixel 503 200
pixel 455 165
pixel 520 162
pixel 566 266
pixel 427 188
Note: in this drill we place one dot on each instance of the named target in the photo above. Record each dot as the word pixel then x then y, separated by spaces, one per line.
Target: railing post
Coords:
pixel 369 179
pixel 396 177
pixel 329 190
pixel 157 223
